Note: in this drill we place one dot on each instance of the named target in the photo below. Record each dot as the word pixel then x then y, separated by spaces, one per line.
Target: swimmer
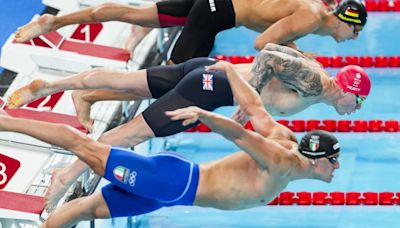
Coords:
pixel 269 159
pixel 288 82
pixel 280 22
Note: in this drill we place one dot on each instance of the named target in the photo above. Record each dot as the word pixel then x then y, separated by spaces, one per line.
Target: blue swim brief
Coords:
pixel 141 184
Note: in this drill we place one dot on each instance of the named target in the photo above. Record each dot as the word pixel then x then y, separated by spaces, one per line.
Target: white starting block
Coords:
pixel 53 51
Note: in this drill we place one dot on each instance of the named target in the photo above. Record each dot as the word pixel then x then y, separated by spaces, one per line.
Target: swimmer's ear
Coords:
pixel 313 162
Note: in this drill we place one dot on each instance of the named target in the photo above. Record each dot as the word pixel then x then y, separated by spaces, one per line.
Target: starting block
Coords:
pixel 53 51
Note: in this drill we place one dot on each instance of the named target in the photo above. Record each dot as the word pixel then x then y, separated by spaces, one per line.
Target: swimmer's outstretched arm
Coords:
pixel 288 29
pixel 93 153
pixel 266 152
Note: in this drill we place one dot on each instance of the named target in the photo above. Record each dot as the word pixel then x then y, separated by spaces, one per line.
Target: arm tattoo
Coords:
pixel 262 71
pixel 305 80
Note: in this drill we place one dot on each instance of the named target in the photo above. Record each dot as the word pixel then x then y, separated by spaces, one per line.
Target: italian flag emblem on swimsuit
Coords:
pixel 120 173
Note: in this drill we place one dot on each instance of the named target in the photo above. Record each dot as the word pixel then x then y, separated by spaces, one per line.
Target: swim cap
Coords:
pixel 352 12
pixel 318 144
pixel 353 79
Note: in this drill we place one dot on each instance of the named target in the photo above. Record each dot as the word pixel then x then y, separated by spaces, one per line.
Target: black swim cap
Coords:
pixel 352 12
pixel 318 144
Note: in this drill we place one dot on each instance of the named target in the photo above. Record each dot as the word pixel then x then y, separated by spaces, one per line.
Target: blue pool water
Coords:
pixel 369 161
pixel 16 13
pixel 379 37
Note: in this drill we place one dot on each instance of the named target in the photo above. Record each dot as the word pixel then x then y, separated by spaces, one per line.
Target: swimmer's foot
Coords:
pixel 82 107
pixel 130 43
pixel 35 28
pixel 57 189
pixel 136 35
pixel 35 90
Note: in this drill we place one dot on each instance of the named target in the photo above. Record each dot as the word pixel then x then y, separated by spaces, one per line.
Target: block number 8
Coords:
pixel 3 176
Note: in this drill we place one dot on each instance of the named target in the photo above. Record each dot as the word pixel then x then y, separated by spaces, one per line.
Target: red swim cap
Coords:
pixel 354 79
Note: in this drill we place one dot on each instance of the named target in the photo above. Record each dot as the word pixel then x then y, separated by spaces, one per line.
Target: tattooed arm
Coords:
pixel 288 69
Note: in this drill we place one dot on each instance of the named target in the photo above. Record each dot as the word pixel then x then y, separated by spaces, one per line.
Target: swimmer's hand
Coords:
pixel 188 115
pixel 220 65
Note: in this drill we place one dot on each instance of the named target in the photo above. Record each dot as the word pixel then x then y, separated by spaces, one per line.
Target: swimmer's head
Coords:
pixel 352 17
pixel 324 147
pixel 353 79
pixel 352 12
pixel 356 85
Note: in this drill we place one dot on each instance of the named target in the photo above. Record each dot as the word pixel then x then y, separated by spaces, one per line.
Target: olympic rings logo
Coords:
pixel 3 175
pixel 132 178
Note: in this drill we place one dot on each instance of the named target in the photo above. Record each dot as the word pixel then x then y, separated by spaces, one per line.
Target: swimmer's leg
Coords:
pixel 85 208
pixel 145 16
pixel 83 100
pixel 133 82
pixel 112 201
pixel 126 135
